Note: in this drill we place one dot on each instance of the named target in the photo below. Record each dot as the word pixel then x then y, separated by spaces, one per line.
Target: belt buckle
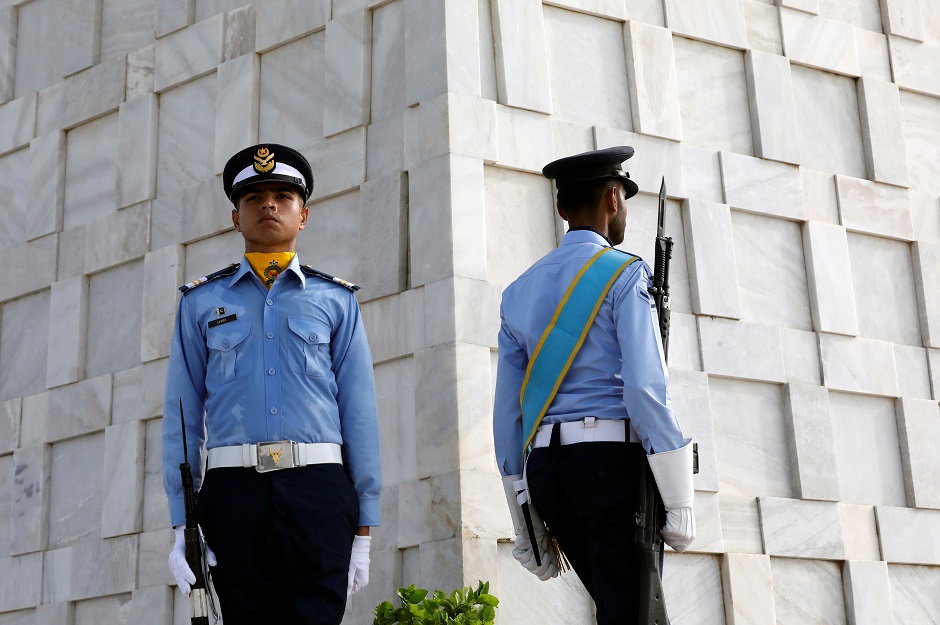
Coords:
pixel 274 455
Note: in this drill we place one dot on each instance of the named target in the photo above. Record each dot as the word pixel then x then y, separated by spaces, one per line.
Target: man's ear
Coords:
pixel 304 213
pixel 610 199
pixel 235 220
pixel 561 211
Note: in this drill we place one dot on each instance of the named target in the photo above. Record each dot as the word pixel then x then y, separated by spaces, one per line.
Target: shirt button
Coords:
pixel 273 410
pixel 270 335
pixel 270 302
pixel 271 371
pixel 224 343
pixel 313 337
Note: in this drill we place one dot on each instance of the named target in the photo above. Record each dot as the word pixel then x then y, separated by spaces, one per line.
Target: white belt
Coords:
pixel 273 455
pixel 591 429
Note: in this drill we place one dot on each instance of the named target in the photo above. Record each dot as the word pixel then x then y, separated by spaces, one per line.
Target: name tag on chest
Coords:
pixel 222 320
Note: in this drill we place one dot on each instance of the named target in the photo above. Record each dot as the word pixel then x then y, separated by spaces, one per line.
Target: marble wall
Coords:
pixel 798 139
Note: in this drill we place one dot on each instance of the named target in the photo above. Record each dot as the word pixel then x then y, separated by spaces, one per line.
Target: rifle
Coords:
pixel 198 595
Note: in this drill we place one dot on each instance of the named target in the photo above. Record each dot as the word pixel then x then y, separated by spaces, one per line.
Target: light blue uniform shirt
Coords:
pixel 619 373
pixel 294 364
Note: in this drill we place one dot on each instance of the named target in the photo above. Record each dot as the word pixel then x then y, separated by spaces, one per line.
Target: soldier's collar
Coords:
pixel 591 230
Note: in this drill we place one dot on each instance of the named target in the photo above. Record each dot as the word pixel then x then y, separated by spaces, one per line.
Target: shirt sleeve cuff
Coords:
pixel 177 512
pixel 369 512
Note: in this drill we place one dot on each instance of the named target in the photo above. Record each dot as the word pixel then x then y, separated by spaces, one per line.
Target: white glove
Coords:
pixel 517 493
pixel 177 560
pixel 358 565
pixel 673 473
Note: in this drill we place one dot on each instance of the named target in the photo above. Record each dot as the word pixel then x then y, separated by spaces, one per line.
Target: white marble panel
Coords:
pixel 23 354
pixel 81 41
pixel 153 605
pixel 240 33
pixel 762 22
pixel 10 411
pixel 281 21
pixel 17 122
pixel 14 168
pixel 414 513
pixel 79 408
pixel 903 18
pixel 651 67
pixel 172 15
pixel 7 52
pixel 405 314
pixel 208 255
pixel 452 123
pixel 50 108
pixel 213 216
pixel 163 273
pixel 348 73
pixel 57 575
pixel 519 222
pixel 388 61
pixel 384 237
pixel 91 162
pixel 874 208
pixel 522 597
pixel 800 356
pixel 912 590
pixel 479 506
pixel 463 310
pixel 808 591
pixel 33 420
pixel 748 588
pixel 913 65
pixel 740 524
pixel 186 139
pixel 713 279
pixel 115 609
pixel 873 59
pixel 860 532
pixel 29 518
pixel 880 110
pixel 926 266
pixel 155 511
pixel 866 440
pixel 829 276
pixel 237 105
pixel 65 362
pixel 801 529
pixel 918 428
pixel 882 274
pixel 858 365
pixel 925 213
pixel 395 396
pixel 684 351
pixel 442 48
pixel 123 479
pixel 741 350
pixel 22 587
pixel 153 385
pixel 6 500
pixel 95 91
pixel 522 41
pixel 772 107
pixel 125 395
pixel 62 613
pixel 38 64
pixel 702 173
pixel 75 491
pixel 713 97
pixel 863 14
pixel 126 25
pixel 819 196
pixel 114 340
pixel 293 120
pixel 814 470
pixel 104 567
pixel 45 184
pixel 691 403
pixel 750 432
pixel 436 414
pixel 385 147
pixel 208 8
pixel 761 186
pixel 338 163
pixel 654 159
pixel 191 52
pixel 692 588
pixel 920 117
pixel 137 150
pixel 601 8
pixel 818 42
pixel 720 22
pixel 913 371
pixel 116 239
pixel 331 241
pixel 896 527
pixel 828 122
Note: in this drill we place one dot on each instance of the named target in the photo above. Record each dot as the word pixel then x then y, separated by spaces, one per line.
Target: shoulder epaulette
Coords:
pixel 212 276
pixel 310 271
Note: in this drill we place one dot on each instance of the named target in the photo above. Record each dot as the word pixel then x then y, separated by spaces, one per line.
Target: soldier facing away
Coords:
pixel 582 398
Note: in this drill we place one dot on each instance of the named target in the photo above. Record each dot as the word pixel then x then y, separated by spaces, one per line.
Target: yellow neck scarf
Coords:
pixel 268 265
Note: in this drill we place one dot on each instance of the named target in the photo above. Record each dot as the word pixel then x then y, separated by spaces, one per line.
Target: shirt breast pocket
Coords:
pixel 229 356
pixel 309 347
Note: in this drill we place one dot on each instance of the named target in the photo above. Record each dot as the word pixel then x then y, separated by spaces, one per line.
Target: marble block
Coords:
pixel 762 22
pixel 713 277
pixel 651 67
pixel 384 237
pixel 22 586
pixel 897 527
pixel 880 110
pixel 414 513
pixel 123 479
pixel 751 439
pixel 155 515
pixel 926 264
pixel 114 341
pixel 829 277
pixel 912 590
pixel 524 139
pixel 57 575
pixel 95 91
pixel 828 122
pixel 215 218
pixel 294 121
pixel 684 352
pixel 819 196
pixel 858 365
pixel 240 33
pixel 6 501
pixel 873 59
pixel 189 53
pixel 348 73
pixel 152 605
pixel 925 213
pixel 654 160
pixel 172 15
pixel 762 186
pixel 445 513
pixel 14 168
pixel 71 253
pixel 436 413
pixel 741 350
pixel 522 60
pixel 708 526
pixel 740 524
pixel 866 440
pixel 23 354
pixel 701 172
pixel 76 491
pixel 720 22
pixel 519 222
pixel 237 103
pixel 388 61
pixel 137 149
pixel 442 48
pixel 404 313
pixel 80 44
pixel 612 9
pixel 808 591
pixel 482 509
pixel 163 273
pixel 65 362
pixel 801 356
pixel 819 42
pixel 91 164
pixel 153 384
pixel 713 96
pixel 333 241
pixel 913 63
pixel 748 588
pixel 913 371
pixel 807 6
pixel 10 412
pixel 29 517
pixel 7 52
pixel 571 137
pixel 458 124
pixel 859 532
pixel 395 397
pixel 692 589
pixel 35 413
pixel 46 184
pixel 814 469
pixel 801 529
pixel 874 208
pixel 104 567
pixel 921 121
pixel 903 18
pixel 385 146
pixel 461 309
pixel 772 107
pixel 691 403
pixel 523 597
pixel 62 613
pixel 50 108
pixel 125 395
pixel 117 238
pixel 918 427
pixel 339 162
pixel 282 21
pixel 17 122
pixel 37 64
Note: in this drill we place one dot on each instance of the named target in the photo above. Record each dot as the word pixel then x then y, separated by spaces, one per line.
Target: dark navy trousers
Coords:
pixel 283 541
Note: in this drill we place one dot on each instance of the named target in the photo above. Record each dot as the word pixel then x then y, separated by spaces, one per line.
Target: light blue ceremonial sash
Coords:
pixel 565 334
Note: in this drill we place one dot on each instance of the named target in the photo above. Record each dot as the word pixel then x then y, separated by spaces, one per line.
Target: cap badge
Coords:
pixel 264 160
